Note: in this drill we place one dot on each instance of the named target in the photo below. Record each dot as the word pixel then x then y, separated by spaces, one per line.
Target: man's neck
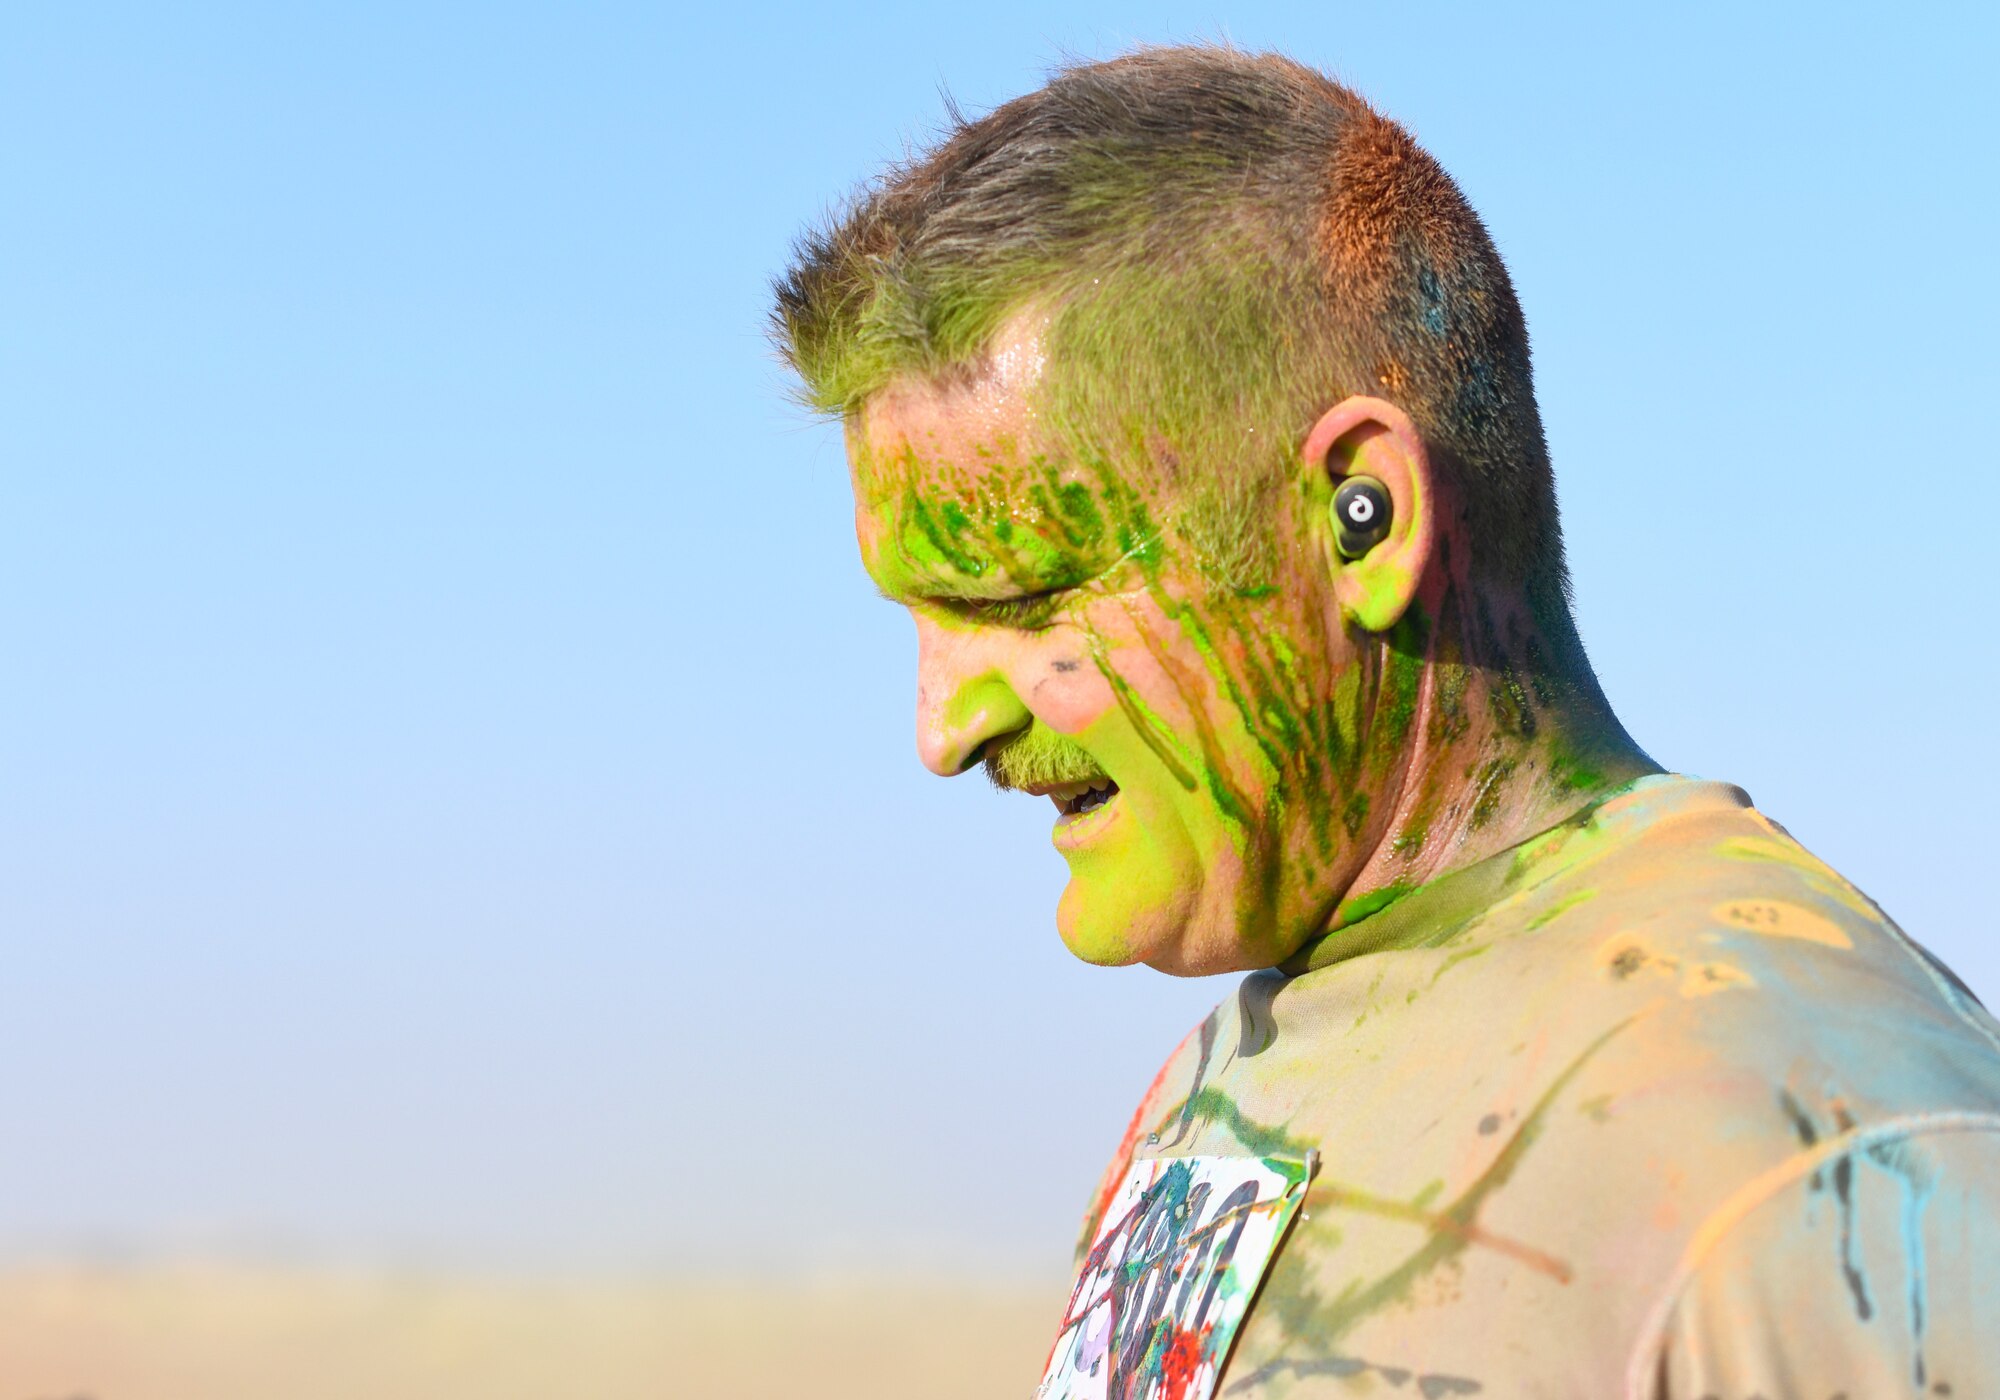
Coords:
pixel 1509 735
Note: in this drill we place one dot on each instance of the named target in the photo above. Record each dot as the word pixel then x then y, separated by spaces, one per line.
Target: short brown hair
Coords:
pixel 1225 241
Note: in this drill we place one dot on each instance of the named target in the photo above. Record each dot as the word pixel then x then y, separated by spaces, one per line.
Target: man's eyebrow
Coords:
pixel 1000 587
pixel 945 591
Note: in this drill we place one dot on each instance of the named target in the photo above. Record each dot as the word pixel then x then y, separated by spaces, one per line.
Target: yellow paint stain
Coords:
pixel 1779 849
pixel 1705 979
pixel 1765 848
pixel 1777 919
pixel 1625 957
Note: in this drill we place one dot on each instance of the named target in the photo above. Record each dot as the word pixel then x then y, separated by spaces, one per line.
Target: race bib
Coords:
pixel 1166 1283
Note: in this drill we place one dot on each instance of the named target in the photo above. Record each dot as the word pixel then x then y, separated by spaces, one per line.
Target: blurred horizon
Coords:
pixel 459 810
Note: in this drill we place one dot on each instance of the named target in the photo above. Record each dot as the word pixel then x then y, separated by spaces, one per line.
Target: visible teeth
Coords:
pixel 1099 794
pixel 1074 798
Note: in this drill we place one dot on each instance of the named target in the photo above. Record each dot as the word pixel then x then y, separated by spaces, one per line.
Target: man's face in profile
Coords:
pixel 1066 639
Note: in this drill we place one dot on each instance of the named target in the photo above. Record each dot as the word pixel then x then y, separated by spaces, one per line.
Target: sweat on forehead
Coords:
pixel 959 424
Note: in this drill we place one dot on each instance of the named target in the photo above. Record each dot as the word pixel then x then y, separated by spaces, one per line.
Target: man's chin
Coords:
pixel 1088 934
pixel 1103 929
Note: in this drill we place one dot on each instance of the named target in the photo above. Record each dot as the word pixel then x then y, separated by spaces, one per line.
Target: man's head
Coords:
pixel 1103 358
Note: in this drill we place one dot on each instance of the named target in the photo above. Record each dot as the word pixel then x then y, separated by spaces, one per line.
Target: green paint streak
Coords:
pixel 1273 750
pixel 1212 1105
pixel 1458 956
pixel 1235 807
pixel 1354 813
pixel 1323 1326
pixel 1449 721
pixel 1560 848
pixel 1570 770
pixel 1405 674
pixel 944 544
pixel 1153 730
pixel 1353 911
pixel 1489 787
pixel 1076 514
pixel 1559 908
pixel 1301 743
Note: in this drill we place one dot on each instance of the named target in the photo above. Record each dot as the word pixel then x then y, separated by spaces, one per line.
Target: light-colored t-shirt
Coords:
pixel 1653 1105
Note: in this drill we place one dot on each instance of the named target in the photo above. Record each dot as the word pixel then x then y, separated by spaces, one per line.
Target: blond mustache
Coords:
pixel 1037 757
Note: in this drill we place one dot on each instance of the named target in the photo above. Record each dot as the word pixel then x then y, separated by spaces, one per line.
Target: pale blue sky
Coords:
pixel 457 802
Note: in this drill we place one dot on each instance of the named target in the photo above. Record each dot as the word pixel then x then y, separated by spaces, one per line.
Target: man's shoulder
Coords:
pixel 1740 953
pixel 1673 950
pixel 1652 1024
pixel 1557 1078
pixel 1728 1016
pixel 1733 993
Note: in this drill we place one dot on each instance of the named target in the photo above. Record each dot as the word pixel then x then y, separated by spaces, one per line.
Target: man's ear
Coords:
pixel 1372 438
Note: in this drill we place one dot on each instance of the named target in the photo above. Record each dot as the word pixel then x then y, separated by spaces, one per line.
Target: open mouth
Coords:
pixel 1077 799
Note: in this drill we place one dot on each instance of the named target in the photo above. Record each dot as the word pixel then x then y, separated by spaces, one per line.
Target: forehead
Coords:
pixel 967 433
pixel 959 487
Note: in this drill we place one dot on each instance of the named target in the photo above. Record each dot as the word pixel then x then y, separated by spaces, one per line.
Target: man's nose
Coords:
pixel 963 701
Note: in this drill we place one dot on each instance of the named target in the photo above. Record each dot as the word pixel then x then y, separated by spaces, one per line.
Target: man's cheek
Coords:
pixel 1066 690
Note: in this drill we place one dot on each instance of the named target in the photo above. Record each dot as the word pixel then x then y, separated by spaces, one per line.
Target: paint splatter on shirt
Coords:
pixel 1653 1105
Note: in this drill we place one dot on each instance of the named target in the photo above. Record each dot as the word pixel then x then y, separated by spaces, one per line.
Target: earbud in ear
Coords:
pixel 1360 516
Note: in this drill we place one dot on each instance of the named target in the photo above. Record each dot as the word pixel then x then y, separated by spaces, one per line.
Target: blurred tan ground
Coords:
pixel 225 1334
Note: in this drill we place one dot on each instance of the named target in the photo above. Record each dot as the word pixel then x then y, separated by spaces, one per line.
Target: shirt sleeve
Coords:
pixel 1864 1273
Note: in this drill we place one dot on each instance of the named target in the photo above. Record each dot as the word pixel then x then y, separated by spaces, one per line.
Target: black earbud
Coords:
pixel 1360 516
